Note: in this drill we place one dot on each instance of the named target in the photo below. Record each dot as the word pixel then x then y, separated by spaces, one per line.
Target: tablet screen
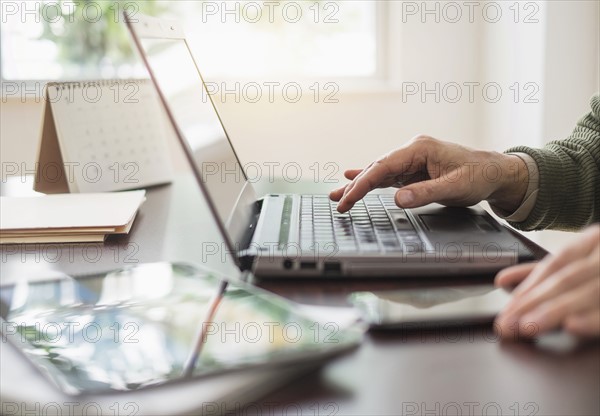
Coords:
pixel 156 323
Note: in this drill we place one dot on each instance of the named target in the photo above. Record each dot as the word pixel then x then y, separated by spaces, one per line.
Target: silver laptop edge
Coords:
pixel 142 26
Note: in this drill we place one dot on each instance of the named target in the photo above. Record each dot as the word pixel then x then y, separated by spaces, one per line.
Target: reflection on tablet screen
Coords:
pixel 153 324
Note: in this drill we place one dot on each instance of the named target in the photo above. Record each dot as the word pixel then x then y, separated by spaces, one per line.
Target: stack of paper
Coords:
pixel 68 218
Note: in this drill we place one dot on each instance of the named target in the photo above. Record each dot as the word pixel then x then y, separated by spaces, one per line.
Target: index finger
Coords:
pixel 364 183
pixel 337 194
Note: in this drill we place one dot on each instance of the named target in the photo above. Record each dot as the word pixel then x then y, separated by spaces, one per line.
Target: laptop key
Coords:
pixel 372 225
pixel 370 248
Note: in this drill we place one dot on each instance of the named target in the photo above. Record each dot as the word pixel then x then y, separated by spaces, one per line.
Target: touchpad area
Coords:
pixel 457 223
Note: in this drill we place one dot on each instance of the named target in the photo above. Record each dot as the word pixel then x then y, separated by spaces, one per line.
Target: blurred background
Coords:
pixel 329 85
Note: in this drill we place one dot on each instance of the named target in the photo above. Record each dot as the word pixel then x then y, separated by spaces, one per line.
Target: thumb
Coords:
pixel 423 193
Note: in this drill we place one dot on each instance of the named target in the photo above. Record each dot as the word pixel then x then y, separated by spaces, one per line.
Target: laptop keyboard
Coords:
pixel 375 224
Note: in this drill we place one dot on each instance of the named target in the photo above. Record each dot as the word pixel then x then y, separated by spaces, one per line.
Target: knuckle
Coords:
pixel 378 164
pixel 429 191
pixel 424 139
pixel 382 164
pixel 380 160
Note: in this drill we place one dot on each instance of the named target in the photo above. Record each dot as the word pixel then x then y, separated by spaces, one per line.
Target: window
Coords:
pixel 83 39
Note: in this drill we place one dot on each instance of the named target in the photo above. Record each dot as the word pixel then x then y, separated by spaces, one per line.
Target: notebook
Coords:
pixel 68 217
pixel 101 136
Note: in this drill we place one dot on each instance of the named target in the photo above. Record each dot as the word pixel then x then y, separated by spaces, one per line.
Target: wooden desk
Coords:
pixel 443 371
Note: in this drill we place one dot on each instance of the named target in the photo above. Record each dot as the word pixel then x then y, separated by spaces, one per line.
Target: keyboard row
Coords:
pixel 367 227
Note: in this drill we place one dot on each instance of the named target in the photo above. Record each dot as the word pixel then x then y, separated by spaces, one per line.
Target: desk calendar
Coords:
pixel 101 136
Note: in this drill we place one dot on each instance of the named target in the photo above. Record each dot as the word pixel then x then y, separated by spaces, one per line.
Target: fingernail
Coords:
pixel 406 197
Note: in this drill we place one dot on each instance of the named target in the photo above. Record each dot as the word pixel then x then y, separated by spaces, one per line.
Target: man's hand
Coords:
pixel 428 170
pixel 560 291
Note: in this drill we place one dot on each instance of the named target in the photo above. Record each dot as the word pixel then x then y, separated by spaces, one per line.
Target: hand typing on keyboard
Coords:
pixel 428 170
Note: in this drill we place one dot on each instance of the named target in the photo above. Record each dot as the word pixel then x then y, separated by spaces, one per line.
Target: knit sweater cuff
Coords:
pixel 554 195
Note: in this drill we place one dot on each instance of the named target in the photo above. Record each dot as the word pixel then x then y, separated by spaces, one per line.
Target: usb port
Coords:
pixel 332 267
pixel 308 265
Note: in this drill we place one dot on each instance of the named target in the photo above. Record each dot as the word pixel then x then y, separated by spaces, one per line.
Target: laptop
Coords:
pixel 303 236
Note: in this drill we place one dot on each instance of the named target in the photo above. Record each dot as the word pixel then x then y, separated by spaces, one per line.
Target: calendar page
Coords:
pixel 111 134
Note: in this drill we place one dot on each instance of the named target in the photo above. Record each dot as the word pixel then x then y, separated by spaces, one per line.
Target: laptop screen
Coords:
pixel 199 125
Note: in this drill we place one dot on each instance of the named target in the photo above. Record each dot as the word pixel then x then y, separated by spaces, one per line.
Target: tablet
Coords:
pixel 415 308
pixel 158 323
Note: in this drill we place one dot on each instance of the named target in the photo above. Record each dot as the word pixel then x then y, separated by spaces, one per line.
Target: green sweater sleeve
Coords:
pixel 569 172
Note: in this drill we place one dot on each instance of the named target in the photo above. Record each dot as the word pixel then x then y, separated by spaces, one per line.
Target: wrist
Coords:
pixel 512 185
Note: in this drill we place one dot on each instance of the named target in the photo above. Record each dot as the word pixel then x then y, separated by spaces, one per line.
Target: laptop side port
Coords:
pixel 308 265
pixel 332 268
pixel 288 264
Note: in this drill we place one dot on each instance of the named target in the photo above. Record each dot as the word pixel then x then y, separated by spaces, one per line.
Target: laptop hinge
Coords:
pixel 245 254
pixel 246 262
